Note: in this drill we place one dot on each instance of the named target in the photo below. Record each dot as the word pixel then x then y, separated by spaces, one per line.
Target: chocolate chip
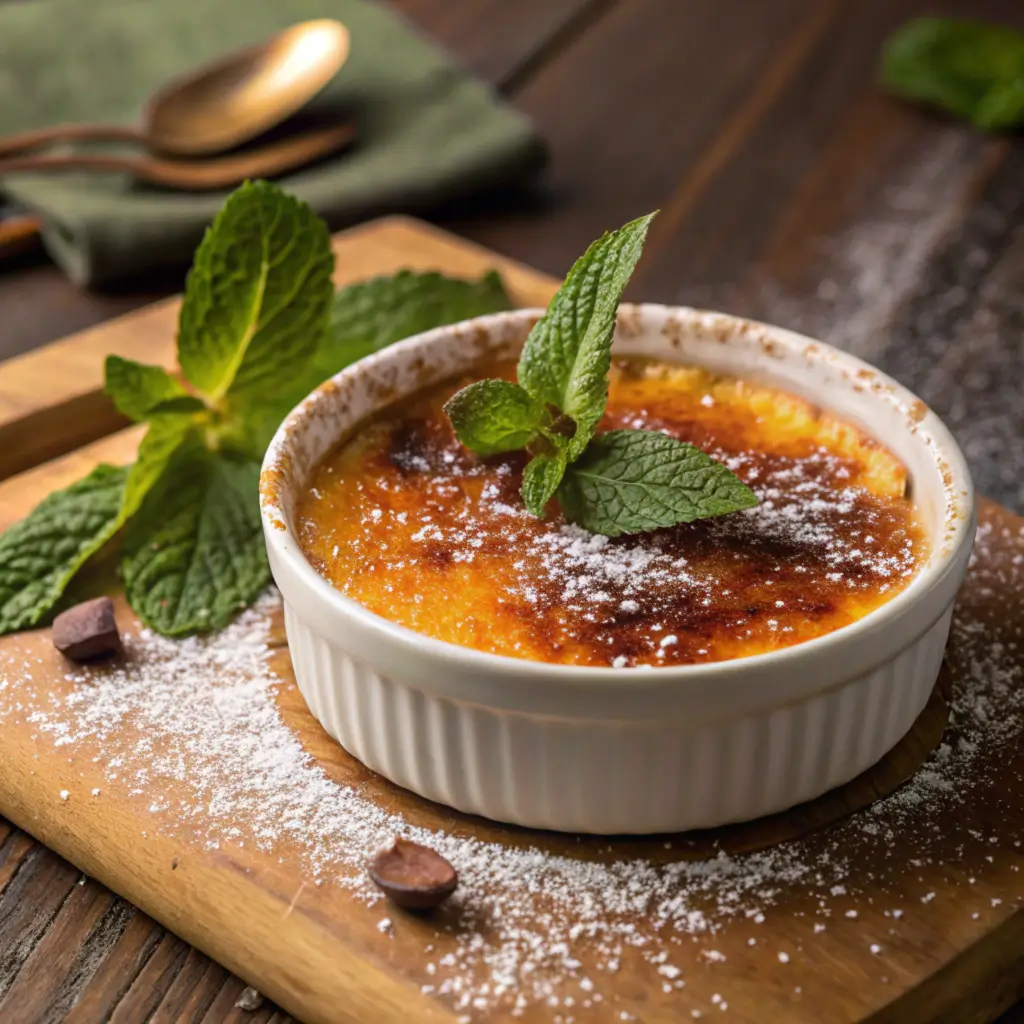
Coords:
pixel 88 630
pixel 415 877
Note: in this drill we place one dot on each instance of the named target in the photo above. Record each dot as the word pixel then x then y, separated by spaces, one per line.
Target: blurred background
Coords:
pixel 792 187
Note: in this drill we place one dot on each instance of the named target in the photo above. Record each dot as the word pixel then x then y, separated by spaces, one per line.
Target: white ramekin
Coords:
pixel 621 750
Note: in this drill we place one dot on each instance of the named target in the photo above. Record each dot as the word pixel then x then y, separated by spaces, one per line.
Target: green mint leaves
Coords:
pixel 623 481
pixel 260 327
pixel 194 554
pixel 254 314
pixel 968 68
pixel 567 355
pixel 629 481
pixel 40 555
pixel 493 416
pixel 137 390
pixel 257 296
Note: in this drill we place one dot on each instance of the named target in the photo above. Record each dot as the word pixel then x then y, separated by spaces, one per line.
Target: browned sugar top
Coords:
pixel 403 519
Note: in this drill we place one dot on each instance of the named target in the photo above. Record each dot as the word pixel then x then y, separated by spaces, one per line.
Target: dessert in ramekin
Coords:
pixel 532 673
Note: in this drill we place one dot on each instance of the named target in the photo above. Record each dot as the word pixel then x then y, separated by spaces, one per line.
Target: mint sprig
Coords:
pixel 968 68
pixel 567 355
pixel 623 481
pixel 260 327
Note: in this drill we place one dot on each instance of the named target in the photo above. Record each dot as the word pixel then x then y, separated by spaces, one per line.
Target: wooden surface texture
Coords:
pixel 791 190
pixel 293 948
pixel 319 950
pixel 52 401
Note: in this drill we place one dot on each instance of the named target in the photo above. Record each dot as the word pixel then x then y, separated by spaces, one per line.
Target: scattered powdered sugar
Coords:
pixel 925 285
pixel 880 260
pixel 209 756
pixel 588 569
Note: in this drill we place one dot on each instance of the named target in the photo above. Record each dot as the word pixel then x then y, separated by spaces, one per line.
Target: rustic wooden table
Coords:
pixel 790 189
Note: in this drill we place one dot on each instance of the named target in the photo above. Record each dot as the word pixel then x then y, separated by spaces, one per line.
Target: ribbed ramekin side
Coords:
pixel 583 775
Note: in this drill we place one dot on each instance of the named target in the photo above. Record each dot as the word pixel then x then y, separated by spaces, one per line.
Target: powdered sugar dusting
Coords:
pixel 926 286
pixel 879 261
pixel 407 522
pixel 211 760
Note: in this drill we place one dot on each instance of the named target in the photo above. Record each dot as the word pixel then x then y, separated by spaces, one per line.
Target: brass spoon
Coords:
pixel 198 175
pixel 224 103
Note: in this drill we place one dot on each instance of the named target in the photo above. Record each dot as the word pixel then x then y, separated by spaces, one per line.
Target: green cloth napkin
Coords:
pixel 427 131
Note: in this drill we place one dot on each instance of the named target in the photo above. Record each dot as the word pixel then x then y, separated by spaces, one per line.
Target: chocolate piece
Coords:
pixel 89 630
pixel 414 877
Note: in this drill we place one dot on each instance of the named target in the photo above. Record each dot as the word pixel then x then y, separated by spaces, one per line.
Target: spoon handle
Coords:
pixel 197 175
pixel 77 161
pixel 67 133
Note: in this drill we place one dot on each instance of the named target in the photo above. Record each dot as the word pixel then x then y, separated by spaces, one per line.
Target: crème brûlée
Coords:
pixel 403 519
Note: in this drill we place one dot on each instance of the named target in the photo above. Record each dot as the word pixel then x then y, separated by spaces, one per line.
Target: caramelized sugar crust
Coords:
pixel 406 521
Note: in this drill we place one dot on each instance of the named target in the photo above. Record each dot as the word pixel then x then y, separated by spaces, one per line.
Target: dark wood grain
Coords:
pixel 718 112
pixel 71 951
pixel 499 41
pixel 758 130
pixel 633 105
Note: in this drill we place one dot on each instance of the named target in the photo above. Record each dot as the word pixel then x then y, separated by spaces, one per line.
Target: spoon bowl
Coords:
pixel 224 103
pixel 241 96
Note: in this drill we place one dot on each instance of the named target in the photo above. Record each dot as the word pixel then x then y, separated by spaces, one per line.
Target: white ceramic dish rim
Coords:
pixel 811 666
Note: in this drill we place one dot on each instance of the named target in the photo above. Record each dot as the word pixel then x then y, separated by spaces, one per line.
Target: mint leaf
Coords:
pixel 567 355
pixel 631 481
pixel 194 553
pixel 1002 108
pixel 366 318
pixel 371 315
pixel 40 554
pixel 541 478
pixel 968 68
pixel 183 403
pixel 492 416
pixel 166 434
pixel 257 296
pixel 136 388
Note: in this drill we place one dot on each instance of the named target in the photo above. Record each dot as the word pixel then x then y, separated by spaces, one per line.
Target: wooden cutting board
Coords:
pixel 241 826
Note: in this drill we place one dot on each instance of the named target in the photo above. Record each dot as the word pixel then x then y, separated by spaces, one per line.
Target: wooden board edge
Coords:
pixel 403 223
pixel 327 984
pixel 323 984
pixel 52 399
pixel 959 990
